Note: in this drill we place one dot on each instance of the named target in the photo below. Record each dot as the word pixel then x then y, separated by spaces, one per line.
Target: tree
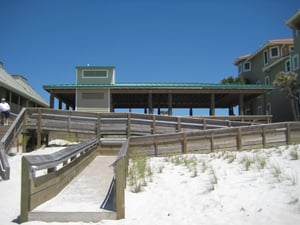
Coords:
pixel 288 84
pixel 232 80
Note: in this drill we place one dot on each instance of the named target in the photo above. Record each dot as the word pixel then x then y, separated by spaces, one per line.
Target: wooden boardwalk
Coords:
pixel 81 200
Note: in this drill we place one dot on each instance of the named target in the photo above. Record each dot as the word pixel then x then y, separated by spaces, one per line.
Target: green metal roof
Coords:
pixel 156 85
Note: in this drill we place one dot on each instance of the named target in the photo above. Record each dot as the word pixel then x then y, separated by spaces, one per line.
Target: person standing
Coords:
pixel 5 111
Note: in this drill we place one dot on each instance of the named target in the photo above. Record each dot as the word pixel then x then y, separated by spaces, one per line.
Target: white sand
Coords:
pixel 220 189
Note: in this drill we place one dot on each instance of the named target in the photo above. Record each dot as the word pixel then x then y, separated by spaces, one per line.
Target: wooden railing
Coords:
pixel 43 120
pixel 147 134
pixel 7 141
pixel 230 139
pixel 44 176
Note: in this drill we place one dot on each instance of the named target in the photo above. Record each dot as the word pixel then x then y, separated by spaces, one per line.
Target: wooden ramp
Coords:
pixel 82 200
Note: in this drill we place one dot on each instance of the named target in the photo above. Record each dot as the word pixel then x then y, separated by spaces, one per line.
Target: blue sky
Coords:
pixel 146 40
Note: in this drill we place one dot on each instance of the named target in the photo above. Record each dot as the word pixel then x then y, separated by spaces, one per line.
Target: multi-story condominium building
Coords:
pixel 262 67
pixel 294 24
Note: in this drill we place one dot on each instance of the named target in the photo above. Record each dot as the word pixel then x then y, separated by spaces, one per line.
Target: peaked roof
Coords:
pixel 268 44
pixel 19 85
pixel 294 21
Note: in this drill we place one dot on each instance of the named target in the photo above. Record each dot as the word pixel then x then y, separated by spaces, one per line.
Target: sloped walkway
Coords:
pixel 82 199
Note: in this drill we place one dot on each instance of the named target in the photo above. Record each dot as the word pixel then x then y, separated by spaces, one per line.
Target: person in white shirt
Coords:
pixel 5 111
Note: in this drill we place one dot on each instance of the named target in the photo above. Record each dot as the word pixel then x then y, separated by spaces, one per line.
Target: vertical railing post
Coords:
pixel 211 141
pixel 184 144
pixel 288 133
pixel 263 136
pixel 98 128
pixel 39 129
pixel 178 124
pixel 25 191
pixel 120 186
pixel 239 139
pixel 128 125
pixel 153 128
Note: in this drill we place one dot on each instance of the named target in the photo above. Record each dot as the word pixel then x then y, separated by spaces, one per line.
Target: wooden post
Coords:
pixel 153 128
pixel 128 125
pixel 184 144
pixel 39 129
pixel 211 141
pixel 170 104
pixel 212 105
pixel 263 136
pixel 25 191
pixel 120 195
pixel 178 124
pixel 98 128
pixel 155 147
pixel 239 139
pixel 288 133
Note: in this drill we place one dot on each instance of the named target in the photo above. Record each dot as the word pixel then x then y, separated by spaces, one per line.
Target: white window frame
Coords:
pixel 287 66
pixel 266 57
pixel 259 110
pixel 278 52
pixel 240 68
pixel 244 66
pixel 295 60
pixel 267 80
pixel 269 108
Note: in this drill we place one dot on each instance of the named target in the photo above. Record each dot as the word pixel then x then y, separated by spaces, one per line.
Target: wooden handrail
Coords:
pixel 58 168
pixel 7 141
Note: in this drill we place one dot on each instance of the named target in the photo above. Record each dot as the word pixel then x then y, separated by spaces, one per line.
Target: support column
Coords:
pixel 111 103
pixel 212 105
pixel 169 104
pixel 191 111
pixel 241 104
pixel 52 101
pixel 265 109
pixel 230 111
pixel 150 103
pixel 59 104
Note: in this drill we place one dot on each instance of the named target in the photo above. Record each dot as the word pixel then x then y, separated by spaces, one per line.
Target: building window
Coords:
pixel 259 110
pixel 267 80
pixel 266 58
pixel 95 74
pixel 295 59
pixel 291 49
pixel 240 68
pixel 247 66
pixel 274 52
pixel 269 109
pixel 90 95
pixel 287 65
